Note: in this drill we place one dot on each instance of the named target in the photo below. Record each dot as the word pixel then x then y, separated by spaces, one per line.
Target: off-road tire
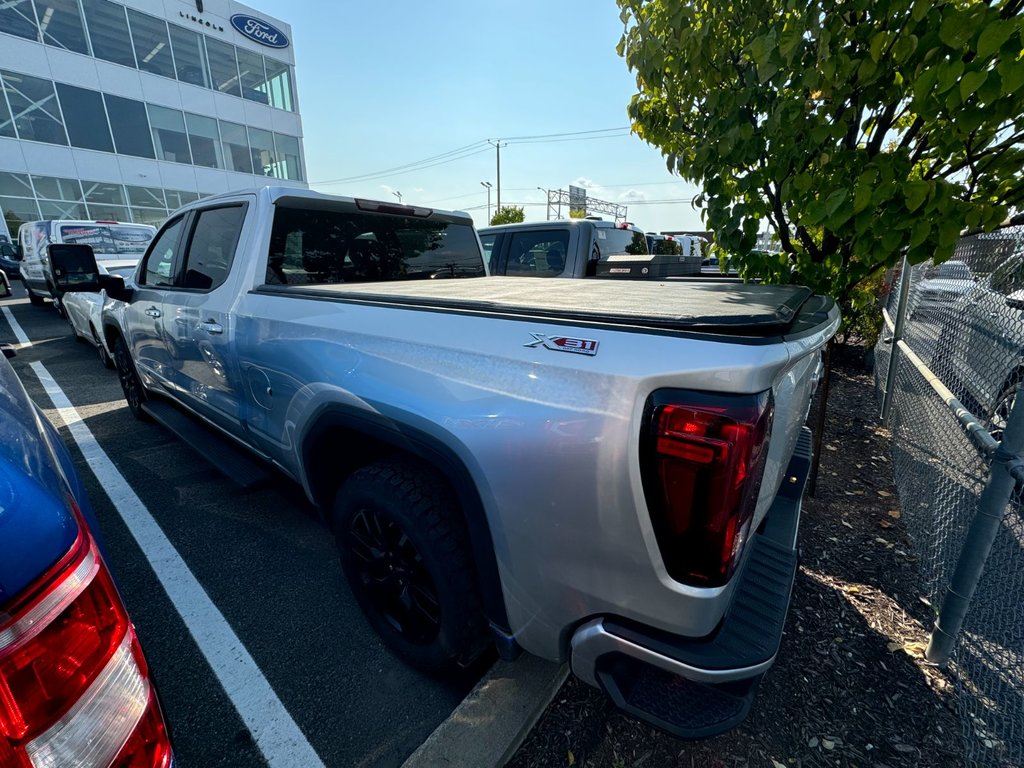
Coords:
pixel 424 510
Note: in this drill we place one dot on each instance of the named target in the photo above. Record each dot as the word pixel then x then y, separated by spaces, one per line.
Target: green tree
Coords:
pixel 859 129
pixel 508 214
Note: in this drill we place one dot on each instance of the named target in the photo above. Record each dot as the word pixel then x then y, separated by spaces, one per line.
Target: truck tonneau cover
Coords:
pixel 757 309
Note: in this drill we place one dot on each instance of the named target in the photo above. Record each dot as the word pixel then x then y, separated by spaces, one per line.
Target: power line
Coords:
pixel 468 151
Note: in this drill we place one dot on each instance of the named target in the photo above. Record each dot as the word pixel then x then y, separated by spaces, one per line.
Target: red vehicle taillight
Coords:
pixel 702 460
pixel 74 686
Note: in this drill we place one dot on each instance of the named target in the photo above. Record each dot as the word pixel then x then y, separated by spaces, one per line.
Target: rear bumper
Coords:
pixel 696 688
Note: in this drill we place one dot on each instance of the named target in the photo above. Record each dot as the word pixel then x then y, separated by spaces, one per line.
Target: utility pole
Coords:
pixel 497 148
pixel 547 203
pixel 398 194
pixel 488 185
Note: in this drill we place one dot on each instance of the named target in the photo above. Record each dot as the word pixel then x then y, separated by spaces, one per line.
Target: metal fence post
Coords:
pixel 980 537
pixel 897 335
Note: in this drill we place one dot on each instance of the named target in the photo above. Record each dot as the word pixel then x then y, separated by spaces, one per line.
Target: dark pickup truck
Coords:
pixel 580 248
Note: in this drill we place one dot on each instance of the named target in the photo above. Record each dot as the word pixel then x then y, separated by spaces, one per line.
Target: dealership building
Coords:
pixel 127 110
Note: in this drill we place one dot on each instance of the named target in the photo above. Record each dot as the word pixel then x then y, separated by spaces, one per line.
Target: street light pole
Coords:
pixel 488 185
pixel 398 194
pixel 547 203
pixel 497 148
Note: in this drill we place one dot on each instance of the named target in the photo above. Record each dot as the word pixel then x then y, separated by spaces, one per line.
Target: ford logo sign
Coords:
pixel 260 31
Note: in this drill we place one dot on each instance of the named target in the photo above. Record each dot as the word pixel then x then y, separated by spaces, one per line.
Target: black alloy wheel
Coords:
pixel 393 575
pixel 131 385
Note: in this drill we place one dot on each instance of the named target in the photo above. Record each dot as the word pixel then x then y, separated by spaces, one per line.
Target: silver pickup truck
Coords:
pixel 596 471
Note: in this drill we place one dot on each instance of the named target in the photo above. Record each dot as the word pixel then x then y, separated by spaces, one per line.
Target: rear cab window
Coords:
pixel 612 241
pixel 538 254
pixel 327 247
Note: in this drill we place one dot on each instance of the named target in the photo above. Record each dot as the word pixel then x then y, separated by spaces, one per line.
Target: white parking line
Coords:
pixel 277 736
pixel 19 332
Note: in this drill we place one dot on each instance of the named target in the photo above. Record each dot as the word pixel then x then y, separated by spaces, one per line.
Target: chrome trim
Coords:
pixel 592 641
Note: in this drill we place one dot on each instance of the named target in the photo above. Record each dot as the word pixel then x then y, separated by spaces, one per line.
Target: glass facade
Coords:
pixel 25 197
pixel 109 31
pixel 115 124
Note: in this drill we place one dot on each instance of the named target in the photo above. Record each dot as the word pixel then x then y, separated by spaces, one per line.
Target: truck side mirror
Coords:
pixel 115 287
pixel 74 268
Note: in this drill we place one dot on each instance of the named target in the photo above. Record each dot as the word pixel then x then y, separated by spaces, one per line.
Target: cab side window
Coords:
pixel 538 254
pixel 212 247
pixel 159 271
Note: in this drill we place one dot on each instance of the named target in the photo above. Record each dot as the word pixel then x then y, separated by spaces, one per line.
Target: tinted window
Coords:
pixel 189 56
pixel 36 114
pixel 488 241
pixel 159 269
pixel 204 140
pixel 108 31
pixel 61 24
pixel 223 67
pixel 152 48
pixel 279 84
pixel 288 166
pixel 236 147
pixel 309 247
pixel 85 118
pixel 130 126
pixel 16 18
pixel 169 135
pixel 537 254
pixel 213 244
pixel 613 242
pixel 251 76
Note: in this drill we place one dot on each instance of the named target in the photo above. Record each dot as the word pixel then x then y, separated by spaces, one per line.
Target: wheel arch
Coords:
pixel 355 438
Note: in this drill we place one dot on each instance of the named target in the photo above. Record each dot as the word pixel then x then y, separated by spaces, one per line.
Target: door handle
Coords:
pixel 211 327
pixel 154 312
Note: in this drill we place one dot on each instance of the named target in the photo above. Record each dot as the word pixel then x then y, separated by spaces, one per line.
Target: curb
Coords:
pixel 486 729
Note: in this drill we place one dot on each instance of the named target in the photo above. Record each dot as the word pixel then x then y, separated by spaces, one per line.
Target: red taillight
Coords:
pixel 73 688
pixel 702 460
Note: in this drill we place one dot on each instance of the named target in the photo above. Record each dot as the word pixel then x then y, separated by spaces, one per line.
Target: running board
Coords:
pixel 237 464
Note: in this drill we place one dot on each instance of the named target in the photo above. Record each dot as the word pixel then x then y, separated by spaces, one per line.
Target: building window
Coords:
pixel 152 48
pixel 105 201
pixel 154 216
pixel 85 118
pixel 34 104
pixel 252 77
pixel 130 126
pixel 17 211
pixel 146 197
pixel 53 209
pixel 16 18
pixel 177 198
pixel 108 32
pixel 53 188
pixel 6 121
pixel 264 159
pixel 236 147
pixel 189 57
pixel 279 84
pixel 205 141
pixel 223 67
pixel 169 135
pixel 288 165
pixel 60 22
pixel 15 185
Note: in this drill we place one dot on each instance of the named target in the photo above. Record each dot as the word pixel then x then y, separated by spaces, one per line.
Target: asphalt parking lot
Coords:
pixel 259 651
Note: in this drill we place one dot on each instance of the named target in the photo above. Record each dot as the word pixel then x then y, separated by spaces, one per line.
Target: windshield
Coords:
pixel 108 239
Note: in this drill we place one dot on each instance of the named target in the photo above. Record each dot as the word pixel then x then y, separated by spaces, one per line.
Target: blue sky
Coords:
pixel 390 83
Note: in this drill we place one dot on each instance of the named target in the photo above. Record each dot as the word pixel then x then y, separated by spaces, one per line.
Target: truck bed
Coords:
pixel 731 309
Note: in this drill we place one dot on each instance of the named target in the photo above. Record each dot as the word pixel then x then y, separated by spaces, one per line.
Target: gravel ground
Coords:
pixel 850 686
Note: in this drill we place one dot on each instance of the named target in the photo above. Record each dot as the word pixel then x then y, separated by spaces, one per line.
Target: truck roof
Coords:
pixel 558 224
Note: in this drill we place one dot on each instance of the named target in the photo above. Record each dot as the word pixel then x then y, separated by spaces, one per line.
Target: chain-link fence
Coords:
pixel 958 357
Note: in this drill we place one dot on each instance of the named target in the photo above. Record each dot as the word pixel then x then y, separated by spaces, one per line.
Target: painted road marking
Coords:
pixel 276 734
pixel 19 332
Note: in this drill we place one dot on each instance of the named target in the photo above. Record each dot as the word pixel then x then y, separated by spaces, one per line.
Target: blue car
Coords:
pixel 75 688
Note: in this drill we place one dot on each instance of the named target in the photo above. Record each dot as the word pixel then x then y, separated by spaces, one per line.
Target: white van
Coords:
pixel 111 241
